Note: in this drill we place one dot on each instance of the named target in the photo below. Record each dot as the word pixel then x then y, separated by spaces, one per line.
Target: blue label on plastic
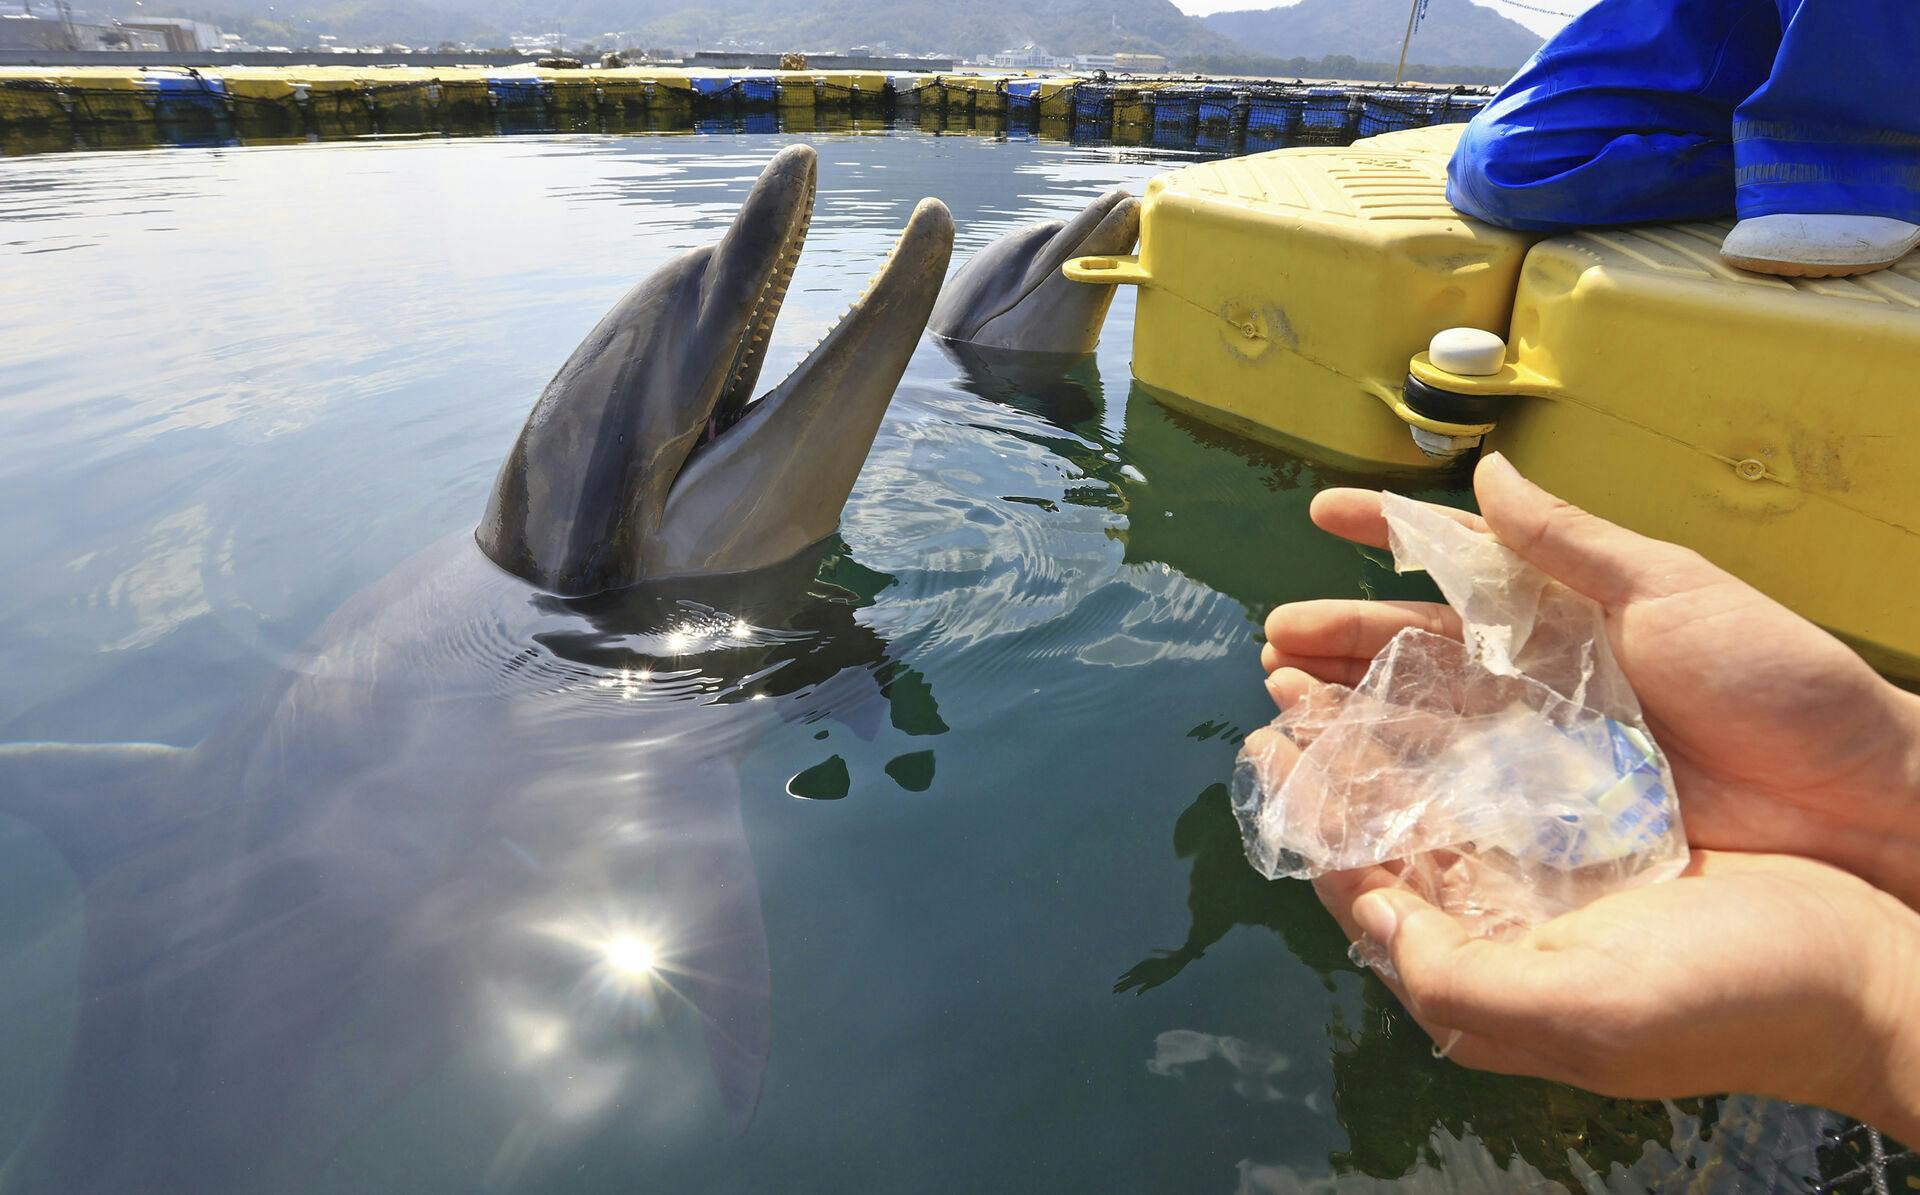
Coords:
pixel 1630 816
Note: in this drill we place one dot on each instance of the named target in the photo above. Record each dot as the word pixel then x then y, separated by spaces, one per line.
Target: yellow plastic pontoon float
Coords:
pixel 1771 424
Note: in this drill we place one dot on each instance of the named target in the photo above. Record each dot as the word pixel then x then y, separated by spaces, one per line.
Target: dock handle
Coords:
pixel 1111 270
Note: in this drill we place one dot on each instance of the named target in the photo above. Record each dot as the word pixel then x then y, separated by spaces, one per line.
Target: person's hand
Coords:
pixel 1781 739
pixel 1758 973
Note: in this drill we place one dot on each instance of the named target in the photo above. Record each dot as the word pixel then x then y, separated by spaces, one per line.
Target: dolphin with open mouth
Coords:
pixel 638 465
pixel 483 833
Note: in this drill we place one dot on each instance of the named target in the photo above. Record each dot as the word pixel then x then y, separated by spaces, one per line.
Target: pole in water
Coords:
pixel 1413 10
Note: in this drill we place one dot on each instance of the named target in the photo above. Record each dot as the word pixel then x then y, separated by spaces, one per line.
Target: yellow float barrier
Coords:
pixel 983 95
pixel 33 97
pixel 1768 423
pixel 797 90
pixel 861 90
pixel 103 95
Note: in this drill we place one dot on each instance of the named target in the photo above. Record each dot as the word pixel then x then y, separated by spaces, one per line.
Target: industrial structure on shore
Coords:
pixel 53 26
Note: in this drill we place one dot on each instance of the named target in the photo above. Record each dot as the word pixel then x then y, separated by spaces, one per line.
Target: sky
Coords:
pixel 1538 22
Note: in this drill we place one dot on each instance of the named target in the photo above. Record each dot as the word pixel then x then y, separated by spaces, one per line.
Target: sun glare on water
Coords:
pixel 629 957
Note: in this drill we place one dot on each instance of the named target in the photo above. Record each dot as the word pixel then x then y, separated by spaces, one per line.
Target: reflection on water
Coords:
pixel 1225 892
pixel 1010 941
pixel 289 124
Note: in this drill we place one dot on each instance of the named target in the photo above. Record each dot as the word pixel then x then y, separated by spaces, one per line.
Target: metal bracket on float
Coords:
pixel 1115 270
pixel 1456 390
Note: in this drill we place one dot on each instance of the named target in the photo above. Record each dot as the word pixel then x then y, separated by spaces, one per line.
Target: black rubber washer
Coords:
pixel 1449 407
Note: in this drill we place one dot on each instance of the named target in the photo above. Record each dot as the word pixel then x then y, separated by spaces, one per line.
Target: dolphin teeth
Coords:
pixel 866 292
pixel 766 309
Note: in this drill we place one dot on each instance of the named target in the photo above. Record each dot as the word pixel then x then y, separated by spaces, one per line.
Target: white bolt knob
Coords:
pixel 1443 448
pixel 1469 352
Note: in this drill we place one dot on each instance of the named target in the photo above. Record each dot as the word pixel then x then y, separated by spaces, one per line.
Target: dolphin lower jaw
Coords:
pixel 774 482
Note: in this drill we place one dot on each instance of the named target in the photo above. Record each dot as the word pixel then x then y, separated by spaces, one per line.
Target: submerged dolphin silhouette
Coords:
pixel 469 826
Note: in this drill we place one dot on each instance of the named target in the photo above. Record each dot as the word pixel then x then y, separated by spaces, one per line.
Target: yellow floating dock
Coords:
pixel 1772 424
pixel 53 107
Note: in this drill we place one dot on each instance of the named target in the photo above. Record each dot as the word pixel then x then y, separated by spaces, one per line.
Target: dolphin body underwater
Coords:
pixel 462 823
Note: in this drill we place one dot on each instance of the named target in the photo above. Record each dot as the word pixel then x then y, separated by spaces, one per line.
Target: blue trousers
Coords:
pixel 1696 109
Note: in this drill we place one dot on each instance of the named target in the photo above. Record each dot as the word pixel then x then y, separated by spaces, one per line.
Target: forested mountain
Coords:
pixel 965 27
pixel 1453 33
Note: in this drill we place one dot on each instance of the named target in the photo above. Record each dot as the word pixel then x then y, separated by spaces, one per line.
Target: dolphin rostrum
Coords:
pixel 1012 295
pixel 483 834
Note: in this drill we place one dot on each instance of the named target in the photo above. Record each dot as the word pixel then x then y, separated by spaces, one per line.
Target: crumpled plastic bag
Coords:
pixel 1510 777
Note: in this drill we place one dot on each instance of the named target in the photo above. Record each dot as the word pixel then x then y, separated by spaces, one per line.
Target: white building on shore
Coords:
pixel 1032 58
pixel 1029 58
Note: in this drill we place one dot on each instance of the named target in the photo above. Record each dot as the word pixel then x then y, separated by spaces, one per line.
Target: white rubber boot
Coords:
pixel 1818 246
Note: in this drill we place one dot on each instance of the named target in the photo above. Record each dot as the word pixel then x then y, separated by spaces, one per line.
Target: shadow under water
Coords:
pixel 807 639
pixel 1210 504
pixel 473 832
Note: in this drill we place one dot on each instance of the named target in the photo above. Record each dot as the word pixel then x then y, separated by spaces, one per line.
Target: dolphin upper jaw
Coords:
pixel 589 498
pixel 763 215
pixel 1012 294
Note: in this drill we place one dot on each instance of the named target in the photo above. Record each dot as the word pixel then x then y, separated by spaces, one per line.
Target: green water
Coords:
pixel 1014 943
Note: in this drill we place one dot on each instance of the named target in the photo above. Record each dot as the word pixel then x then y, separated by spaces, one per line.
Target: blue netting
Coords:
pixel 746 90
pixel 1175 110
pixel 1277 114
pixel 1390 111
pixel 1214 140
pixel 1093 102
pixel 512 92
pixel 186 85
pixel 1325 109
pixel 1216 107
pixel 1261 140
pixel 185 97
pixel 1022 97
pixel 1090 132
pixel 1172 136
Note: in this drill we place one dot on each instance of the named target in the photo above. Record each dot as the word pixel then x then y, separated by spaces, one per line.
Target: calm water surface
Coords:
pixel 1023 949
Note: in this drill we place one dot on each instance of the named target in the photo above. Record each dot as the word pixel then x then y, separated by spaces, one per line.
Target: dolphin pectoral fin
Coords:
pixel 94 802
pixel 718 960
pixel 738 1027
